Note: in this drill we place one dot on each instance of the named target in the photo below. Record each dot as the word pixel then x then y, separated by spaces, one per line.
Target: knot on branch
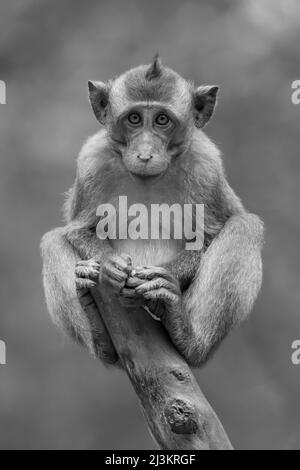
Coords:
pixel 181 375
pixel 181 417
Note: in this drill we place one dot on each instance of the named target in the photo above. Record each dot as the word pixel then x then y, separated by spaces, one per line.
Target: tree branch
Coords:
pixel 177 413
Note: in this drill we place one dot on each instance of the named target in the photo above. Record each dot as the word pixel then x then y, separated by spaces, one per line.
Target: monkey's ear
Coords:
pixel 205 98
pixel 98 94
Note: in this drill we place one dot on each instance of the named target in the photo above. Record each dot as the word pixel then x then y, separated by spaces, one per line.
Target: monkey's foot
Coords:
pixel 87 273
pixel 86 277
pixel 160 289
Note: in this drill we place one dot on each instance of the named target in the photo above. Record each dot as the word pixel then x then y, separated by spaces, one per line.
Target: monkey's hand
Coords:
pixel 115 271
pixel 160 290
pixel 128 295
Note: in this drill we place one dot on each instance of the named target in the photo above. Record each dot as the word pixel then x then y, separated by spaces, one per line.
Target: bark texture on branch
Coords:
pixel 177 413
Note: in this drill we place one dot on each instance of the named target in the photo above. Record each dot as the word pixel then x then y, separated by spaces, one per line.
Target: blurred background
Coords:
pixel 52 394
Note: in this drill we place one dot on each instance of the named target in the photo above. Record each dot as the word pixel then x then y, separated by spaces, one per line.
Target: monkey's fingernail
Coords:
pixel 138 271
pixel 94 272
pixel 140 289
pixel 127 258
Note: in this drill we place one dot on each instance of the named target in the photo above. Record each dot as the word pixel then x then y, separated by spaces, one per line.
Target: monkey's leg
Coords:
pixel 221 295
pixel 59 261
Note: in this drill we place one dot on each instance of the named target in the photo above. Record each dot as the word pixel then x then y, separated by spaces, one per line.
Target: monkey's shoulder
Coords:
pixel 205 158
pixel 93 154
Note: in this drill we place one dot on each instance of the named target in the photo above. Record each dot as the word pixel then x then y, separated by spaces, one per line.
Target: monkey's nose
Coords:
pixel 144 157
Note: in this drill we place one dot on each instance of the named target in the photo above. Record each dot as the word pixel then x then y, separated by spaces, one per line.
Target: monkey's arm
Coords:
pixel 59 262
pixel 85 241
pixel 66 286
pixel 221 207
pixel 80 215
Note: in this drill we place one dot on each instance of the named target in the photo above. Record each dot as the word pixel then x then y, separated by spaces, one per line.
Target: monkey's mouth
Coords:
pixel 146 171
pixel 146 176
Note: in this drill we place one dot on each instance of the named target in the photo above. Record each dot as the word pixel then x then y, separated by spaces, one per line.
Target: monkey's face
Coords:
pixel 148 133
pixel 150 113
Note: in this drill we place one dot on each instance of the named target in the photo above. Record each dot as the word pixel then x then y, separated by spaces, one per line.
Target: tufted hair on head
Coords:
pixel 155 69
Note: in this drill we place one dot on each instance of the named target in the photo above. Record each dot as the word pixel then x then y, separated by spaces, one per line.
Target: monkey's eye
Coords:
pixel 162 120
pixel 134 119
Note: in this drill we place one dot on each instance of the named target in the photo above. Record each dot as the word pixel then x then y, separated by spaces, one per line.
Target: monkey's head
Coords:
pixel 150 113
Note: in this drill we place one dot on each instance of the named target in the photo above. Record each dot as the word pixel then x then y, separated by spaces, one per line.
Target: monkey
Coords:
pixel 152 148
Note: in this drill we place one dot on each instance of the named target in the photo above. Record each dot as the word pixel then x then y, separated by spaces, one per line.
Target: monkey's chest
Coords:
pixel 146 231
pixel 148 226
pixel 148 240
pixel 148 252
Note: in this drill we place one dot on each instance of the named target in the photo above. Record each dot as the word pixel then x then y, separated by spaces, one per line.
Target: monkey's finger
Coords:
pixel 157 307
pixel 114 273
pixel 84 283
pixel 154 271
pixel 86 271
pixel 133 281
pixel 126 258
pixel 90 262
pixel 157 283
pixel 120 263
pixel 128 293
pixel 161 294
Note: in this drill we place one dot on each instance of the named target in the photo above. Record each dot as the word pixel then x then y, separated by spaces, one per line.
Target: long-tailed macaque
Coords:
pixel 153 150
